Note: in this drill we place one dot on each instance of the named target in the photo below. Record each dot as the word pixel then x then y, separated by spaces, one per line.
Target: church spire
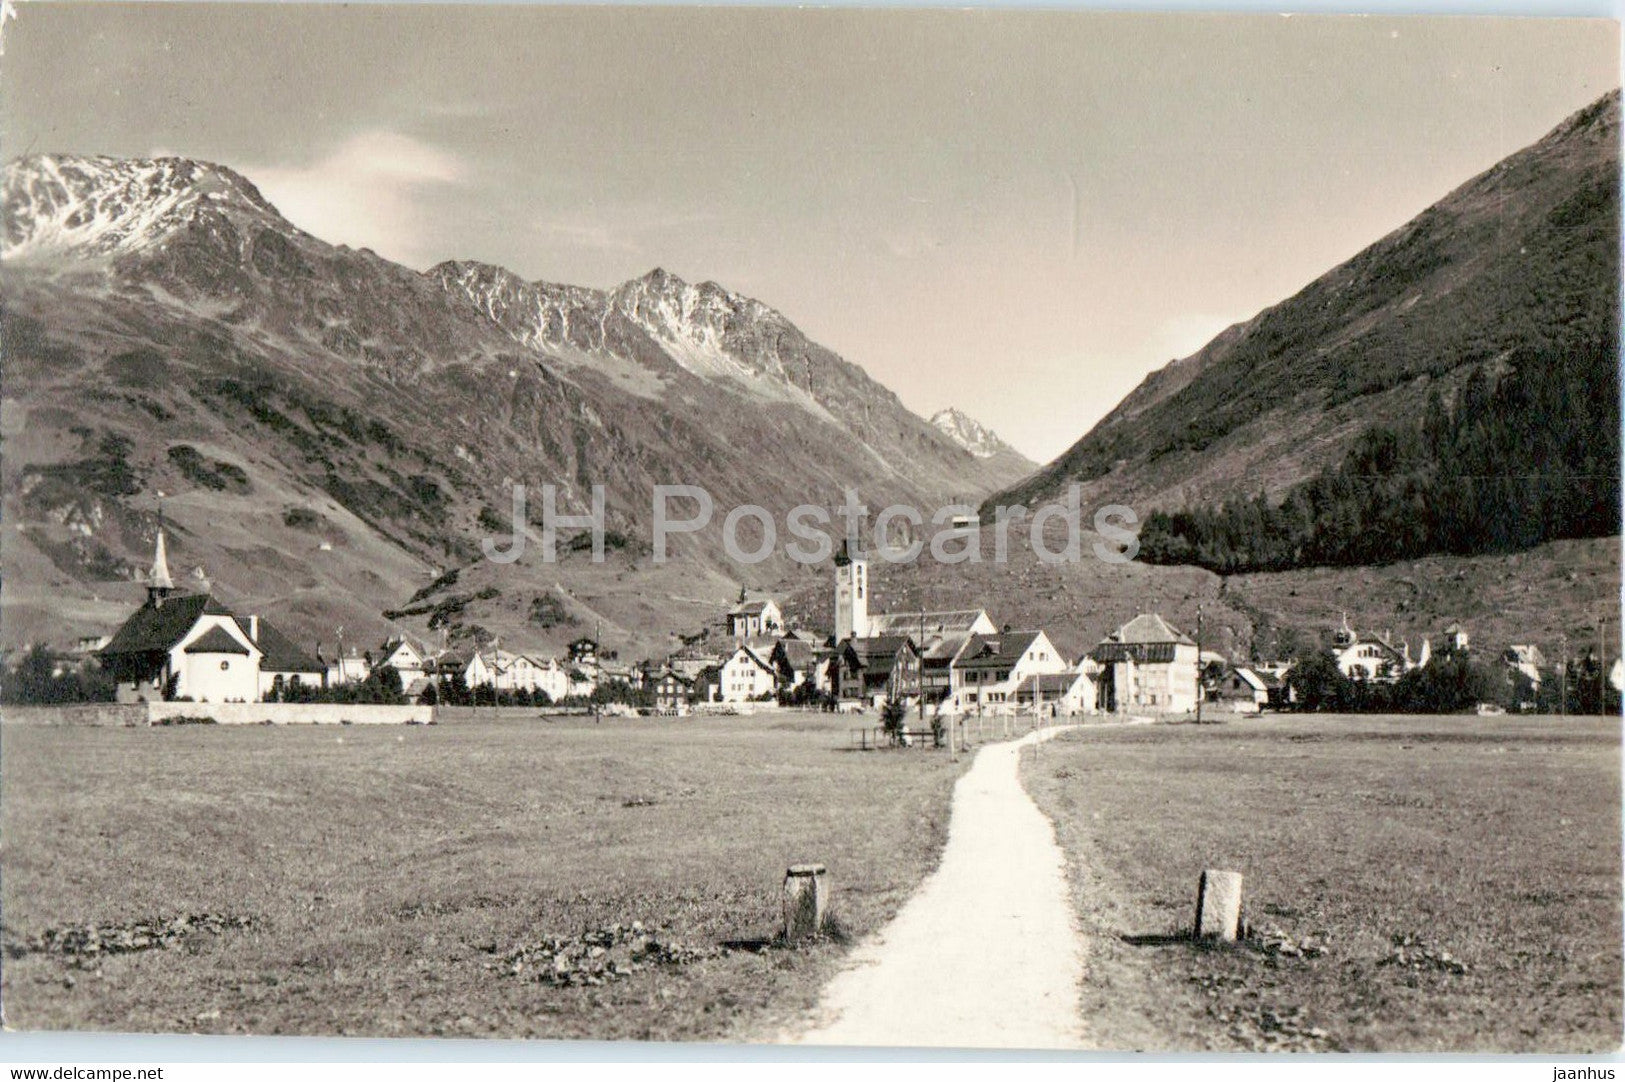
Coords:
pixel 159 582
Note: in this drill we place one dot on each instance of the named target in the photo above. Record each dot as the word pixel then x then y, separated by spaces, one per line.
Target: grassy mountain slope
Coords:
pixel 328 432
pixel 1525 255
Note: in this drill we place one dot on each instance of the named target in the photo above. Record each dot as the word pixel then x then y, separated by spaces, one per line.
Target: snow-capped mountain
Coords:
pixel 704 331
pixel 58 205
pixel 969 433
pixel 164 323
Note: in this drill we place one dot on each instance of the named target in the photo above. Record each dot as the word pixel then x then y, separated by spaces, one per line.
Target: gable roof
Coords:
pixel 882 649
pixel 1149 627
pixel 996 651
pixel 748 652
pixel 1252 679
pixel 1057 683
pixel 897 623
pixel 282 654
pixel 752 608
pixel 216 640
pixel 1525 654
pixel 797 653
pixel 396 643
pixel 941 650
pixel 1146 639
pixel 1374 641
pixel 157 628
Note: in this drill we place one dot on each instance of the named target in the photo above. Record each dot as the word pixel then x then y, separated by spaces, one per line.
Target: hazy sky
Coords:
pixel 1019 213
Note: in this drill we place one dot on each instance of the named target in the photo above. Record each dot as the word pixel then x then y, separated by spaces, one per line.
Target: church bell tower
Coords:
pixel 851 595
pixel 159 583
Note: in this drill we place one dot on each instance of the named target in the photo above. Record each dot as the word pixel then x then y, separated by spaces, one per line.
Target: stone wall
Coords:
pixel 291 713
pixel 135 714
pixel 108 714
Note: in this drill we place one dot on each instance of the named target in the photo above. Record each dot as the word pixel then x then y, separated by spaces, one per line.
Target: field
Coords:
pixel 1413 884
pixel 433 880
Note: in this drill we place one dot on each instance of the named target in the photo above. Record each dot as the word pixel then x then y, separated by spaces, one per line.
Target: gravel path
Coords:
pixel 985 953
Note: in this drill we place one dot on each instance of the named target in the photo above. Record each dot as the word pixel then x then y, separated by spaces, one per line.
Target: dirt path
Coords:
pixel 985 953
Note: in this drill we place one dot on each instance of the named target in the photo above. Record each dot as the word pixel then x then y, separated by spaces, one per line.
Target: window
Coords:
pixel 224 665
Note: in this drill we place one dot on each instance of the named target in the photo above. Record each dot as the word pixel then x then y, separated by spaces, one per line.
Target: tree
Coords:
pixel 893 713
pixel 383 685
pixel 1316 683
pixel 43 677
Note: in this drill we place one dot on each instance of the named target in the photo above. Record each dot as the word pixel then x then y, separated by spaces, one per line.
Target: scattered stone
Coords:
pixel 1273 941
pixel 154 933
pixel 598 956
pixel 1410 952
pixel 1273 1028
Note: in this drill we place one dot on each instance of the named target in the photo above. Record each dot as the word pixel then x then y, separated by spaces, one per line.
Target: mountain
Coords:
pixel 977 438
pixel 1521 261
pixel 329 435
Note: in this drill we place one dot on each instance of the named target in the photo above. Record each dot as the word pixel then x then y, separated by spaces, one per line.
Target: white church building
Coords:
pixel 190 646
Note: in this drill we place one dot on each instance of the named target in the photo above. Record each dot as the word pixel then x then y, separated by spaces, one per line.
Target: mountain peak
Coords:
pixel 99 206
pixel 1523 256
pixel 969 433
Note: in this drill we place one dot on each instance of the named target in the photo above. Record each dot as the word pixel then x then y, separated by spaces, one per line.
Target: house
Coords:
pixel 1240 690
pixel 583 654
pixel 1526 659
pixel 548 675
pixel 672 691
pixel 798 661
pixel 873 669
pixel 611 672
pixel 1456 638
pixel 406 659
pixel 752 619
pixel 1147 665
pixel 938 652
pixel 505 670
pixel 283 665
pixel 1058 694
pixel 745 676
pixel 478 670
pixel 706 685
pixel 988 671
pixel 692 660
pixel 347 667
pixel 1368 657
pixel 190 646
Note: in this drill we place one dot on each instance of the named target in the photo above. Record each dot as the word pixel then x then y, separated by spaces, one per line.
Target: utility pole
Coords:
pixel 1602 661
pixel 920 660
pixel 1200 695
pixel 1563 663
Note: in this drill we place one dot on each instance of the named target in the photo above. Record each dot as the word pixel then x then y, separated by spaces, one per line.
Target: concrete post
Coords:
pixel 1218 905
pixel 806 901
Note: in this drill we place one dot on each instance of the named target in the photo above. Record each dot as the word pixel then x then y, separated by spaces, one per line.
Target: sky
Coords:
pixel 1019 213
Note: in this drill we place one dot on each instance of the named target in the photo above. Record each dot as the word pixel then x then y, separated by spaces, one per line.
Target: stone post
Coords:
pixel 1218 905
pixel 806 901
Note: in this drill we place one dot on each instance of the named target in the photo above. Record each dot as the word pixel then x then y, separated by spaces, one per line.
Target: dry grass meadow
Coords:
pixel 391 877
pixel 1414 884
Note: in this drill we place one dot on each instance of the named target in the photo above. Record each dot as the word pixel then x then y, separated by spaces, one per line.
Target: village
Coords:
pixel 189 647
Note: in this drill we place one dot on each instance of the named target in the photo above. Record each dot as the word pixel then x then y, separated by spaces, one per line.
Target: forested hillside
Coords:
pixel 1528 456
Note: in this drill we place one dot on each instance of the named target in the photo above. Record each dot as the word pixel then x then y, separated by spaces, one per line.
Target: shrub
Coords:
pixel 301 518
pixel 893 712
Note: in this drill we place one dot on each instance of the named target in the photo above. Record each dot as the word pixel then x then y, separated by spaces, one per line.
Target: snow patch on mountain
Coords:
pixel 65 204
pixel 968 432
